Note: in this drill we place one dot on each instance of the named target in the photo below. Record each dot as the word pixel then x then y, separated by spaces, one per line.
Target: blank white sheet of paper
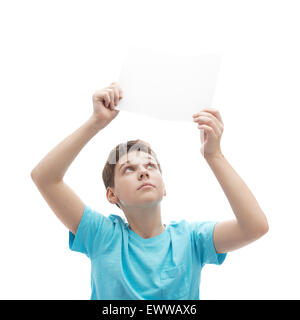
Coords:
pixel 167 86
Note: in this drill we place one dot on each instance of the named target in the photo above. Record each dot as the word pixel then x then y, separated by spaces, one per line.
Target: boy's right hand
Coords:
pixel 105 100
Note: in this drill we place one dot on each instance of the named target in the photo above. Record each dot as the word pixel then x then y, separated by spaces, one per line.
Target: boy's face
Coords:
pixel 129 177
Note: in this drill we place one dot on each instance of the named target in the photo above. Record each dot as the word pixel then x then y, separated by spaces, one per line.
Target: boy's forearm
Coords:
pixel 54 165
pixel 244 205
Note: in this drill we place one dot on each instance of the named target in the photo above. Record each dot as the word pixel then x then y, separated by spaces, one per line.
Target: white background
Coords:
pixel 55 54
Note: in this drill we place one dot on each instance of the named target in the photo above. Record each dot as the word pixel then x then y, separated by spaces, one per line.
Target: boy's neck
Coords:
pixel 154 234
pixel 146 222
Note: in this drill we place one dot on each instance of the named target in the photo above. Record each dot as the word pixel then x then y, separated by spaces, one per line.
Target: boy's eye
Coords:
pixel 153 165
pixel 127 168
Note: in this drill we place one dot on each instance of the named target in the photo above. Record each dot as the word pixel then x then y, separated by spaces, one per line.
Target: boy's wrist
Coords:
pixel 97 124
pixel 211 157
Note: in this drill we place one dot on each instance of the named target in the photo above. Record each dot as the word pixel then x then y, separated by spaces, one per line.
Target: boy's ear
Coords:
pixel 111 197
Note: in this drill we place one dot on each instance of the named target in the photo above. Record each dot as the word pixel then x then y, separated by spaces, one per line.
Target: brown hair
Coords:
pixel 108 173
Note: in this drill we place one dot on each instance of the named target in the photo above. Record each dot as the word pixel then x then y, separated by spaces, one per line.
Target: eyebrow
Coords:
pixel 130 162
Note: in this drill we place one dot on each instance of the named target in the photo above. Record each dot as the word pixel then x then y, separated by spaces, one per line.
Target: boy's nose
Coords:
pixel 143 173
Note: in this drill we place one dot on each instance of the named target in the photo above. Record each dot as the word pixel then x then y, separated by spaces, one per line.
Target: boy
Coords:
pixel 145 259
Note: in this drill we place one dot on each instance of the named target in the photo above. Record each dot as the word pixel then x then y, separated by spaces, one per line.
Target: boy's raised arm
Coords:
pixel 250 222
pixel 49 172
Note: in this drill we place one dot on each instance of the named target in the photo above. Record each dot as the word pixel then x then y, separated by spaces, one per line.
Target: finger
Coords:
pixel 116 96
pixel 118 90
pixel 121 93
pixel 102 96
pixel 106 99
pixel 114 84
pixel 202 135
pixel 207 129
pixel 215 112
pixel 207 114
pixel 118 93
pixel 111 95
pixel 210 122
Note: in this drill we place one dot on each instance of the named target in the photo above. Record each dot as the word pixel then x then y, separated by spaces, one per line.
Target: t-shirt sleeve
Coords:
pixel 202 237
pixel 89 231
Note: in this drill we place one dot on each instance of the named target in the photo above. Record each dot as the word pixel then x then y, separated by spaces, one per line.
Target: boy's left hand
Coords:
pixel 210 121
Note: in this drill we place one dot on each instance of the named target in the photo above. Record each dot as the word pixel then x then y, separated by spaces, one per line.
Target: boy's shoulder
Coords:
pixel 116 219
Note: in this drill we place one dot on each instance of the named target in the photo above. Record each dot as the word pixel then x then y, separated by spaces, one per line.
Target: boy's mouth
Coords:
pixel 146 185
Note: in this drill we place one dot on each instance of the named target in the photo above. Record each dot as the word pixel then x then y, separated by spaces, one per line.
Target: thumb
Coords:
pixel 202 135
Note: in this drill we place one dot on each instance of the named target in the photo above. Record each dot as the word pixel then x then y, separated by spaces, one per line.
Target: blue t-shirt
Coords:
pixel 125 266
